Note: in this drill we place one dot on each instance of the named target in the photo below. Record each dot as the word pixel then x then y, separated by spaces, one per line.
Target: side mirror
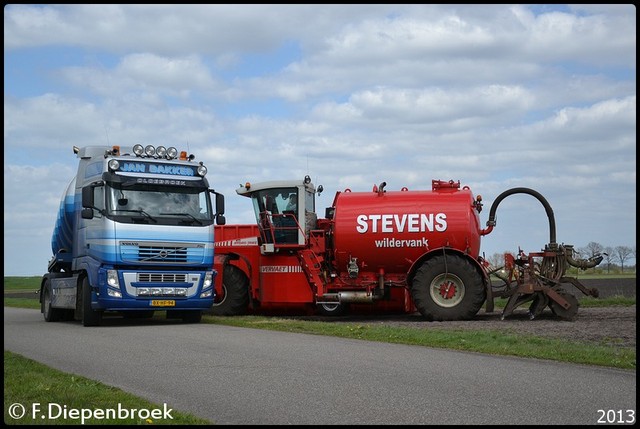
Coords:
pixel 219 204
pixel 87 197
pixel 86 213
pixel 220 219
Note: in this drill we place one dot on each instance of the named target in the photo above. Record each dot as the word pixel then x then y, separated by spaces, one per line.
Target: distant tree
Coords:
pixel 609 257
pixel 497 259
pixel 591 250
pixel 623 253
pixel 594 249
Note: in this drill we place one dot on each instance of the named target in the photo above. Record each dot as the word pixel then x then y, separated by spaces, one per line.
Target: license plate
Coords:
pixel 163 303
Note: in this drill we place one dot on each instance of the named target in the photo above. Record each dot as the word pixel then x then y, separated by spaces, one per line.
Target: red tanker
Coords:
pixel 389 230
pixel 375 251
pixel 393 251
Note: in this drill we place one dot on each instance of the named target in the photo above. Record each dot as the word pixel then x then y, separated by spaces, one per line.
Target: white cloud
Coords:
pixel 496 96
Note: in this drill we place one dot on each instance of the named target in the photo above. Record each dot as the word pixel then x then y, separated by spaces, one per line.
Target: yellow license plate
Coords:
pixel 163 303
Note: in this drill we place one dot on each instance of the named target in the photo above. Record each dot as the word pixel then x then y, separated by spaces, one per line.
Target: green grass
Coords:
pixel 481 341
pixel 22 303
pixel 22 283
pixel 32 384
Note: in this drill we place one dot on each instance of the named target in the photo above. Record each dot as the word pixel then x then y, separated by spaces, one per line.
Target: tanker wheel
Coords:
pixel 89 316
pixel 234 299
pixel 333 310
pixel 565 313
pixel 50 314
pixel 448 287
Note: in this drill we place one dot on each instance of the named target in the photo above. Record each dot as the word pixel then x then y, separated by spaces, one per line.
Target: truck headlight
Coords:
pixel 113 289
pixel 112 279
pixel 208 280
pixel 207 285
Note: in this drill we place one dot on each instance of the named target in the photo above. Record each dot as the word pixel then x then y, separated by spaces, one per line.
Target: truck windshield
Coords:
pixel 169 206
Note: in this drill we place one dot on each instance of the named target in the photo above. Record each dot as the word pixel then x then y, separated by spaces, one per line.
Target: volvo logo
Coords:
pixel 163 254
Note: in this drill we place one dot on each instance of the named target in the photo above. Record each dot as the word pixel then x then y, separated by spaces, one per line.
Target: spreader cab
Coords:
pixel 285 212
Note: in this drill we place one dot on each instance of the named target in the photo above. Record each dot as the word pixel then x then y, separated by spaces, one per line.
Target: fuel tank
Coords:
pixel 62 237
pixel 391 229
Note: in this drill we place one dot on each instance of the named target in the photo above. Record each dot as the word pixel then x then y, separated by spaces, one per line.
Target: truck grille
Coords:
pixel 161 253
pixel 161 278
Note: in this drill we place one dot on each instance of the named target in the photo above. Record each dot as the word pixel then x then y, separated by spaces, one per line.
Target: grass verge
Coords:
pixel 59 398
pixel 480 341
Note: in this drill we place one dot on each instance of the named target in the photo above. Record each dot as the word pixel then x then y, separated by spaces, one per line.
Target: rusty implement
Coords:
pixel 538 279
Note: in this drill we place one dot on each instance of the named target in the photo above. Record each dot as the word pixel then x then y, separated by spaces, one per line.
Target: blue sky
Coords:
pixel 496 96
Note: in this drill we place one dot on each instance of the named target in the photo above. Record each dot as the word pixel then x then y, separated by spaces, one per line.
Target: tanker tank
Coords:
pixel 62 237
pixel 390 230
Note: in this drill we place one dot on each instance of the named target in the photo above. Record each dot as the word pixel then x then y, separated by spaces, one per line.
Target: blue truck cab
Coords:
pixel 134 235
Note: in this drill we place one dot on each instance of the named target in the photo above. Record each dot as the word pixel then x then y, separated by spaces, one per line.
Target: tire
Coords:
pixel 448 287
pixel 50 314
pixel 333 310
pixel 89 316
pixel 235 293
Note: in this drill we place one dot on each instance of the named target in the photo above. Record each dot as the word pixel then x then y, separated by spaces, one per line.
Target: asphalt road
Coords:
pixel 241 376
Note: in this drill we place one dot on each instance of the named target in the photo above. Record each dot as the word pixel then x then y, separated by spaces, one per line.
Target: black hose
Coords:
pixel 545 203
pixel 581 263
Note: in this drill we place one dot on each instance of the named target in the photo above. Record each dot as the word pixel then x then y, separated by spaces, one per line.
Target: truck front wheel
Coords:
pixel 89 316
pixel 50 314
pixel 448 287
pixel 234 299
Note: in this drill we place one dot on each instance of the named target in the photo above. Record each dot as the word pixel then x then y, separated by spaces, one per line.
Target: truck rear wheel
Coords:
pixel 234 299
pixel 448 287
pixel 89 316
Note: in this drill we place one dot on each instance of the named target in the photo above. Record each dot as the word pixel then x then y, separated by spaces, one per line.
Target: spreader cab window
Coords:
pixel 277 214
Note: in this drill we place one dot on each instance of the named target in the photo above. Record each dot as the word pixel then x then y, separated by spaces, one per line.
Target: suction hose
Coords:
pixel 552 267
pixel 492 212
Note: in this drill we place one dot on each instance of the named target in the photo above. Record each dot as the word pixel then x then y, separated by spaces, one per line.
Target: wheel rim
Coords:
pixel 447 290
pixel 330 307
pixel 220 298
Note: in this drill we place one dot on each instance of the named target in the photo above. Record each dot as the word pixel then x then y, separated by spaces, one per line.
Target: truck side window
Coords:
pixel 98 201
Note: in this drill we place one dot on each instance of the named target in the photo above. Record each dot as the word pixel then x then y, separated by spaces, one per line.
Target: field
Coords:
pixel 614 325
